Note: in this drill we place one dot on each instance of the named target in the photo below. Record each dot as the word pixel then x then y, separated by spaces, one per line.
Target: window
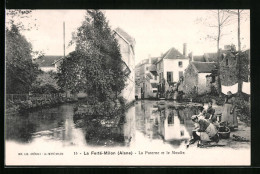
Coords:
pixel 155 77
pixel 180 63
pixel 155 91
pixel 162 76
pixel 226 62
pixel 169 77
pixel 180 74
pixel 213 79
pixel 146 68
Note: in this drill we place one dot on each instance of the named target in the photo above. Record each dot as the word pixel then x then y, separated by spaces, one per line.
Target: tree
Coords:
pixel 221 19
pixel 23 21
pixel 95 66
pixel 45 83
pixel 15 17
pixel 20 70
pixel 241 56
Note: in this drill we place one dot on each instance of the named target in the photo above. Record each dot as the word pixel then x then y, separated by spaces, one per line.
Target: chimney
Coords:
pixel 149 58
pixel 185 49
pixel 191 56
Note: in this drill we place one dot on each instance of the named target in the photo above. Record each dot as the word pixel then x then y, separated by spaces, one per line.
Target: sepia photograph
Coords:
pixel 96 87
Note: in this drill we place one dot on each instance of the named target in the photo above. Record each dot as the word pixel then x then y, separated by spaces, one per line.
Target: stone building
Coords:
pixel 195 77
pixel 228 66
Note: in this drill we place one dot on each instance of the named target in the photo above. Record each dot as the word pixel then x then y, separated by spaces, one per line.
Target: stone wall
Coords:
pixel 190 80
pixel 228 73
pixel 210 85
pixel 202 83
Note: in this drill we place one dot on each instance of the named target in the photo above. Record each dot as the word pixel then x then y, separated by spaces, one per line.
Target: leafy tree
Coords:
pixel 18 17
pixel 95 66
pixel 45 83
pixel 20 70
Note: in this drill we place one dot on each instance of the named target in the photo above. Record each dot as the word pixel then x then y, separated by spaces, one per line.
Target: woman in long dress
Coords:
pixel 229 115
pixel 204 130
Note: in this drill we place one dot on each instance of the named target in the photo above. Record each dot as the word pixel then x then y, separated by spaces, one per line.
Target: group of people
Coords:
pixel 207 124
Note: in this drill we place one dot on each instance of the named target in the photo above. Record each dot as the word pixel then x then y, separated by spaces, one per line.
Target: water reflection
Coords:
pixel 164 120
pixel 167 122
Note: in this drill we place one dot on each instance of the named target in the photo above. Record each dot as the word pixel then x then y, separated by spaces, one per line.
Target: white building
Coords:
pixel 48 63
pixel 171 67
pixel 127 46
pixel 150 79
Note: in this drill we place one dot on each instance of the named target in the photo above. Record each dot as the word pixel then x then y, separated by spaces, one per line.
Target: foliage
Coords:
pixel 20 70
pixel 45 83
pixel 95 67
pixel 244 70
pixel 243 109
pixel 16 16
pixel 241 102
pixel 108 108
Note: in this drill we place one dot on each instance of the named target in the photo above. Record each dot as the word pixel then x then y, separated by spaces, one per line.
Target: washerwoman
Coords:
pixel 229 115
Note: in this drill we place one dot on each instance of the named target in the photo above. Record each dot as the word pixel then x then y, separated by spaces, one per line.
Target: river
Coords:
pixel 149 128
pixel 168 125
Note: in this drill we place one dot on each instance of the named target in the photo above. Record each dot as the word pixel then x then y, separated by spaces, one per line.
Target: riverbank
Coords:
pixel 15 107
pixel 243 130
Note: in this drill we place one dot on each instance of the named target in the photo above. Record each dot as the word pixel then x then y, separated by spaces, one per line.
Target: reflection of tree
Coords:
pixel 98 134
pixel 19 129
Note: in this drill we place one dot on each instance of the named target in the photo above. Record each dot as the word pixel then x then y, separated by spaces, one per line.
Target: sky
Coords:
pixel 155 31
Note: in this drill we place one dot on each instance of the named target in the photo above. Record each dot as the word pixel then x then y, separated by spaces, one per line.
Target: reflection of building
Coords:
pixel 127 46
pixel 172 128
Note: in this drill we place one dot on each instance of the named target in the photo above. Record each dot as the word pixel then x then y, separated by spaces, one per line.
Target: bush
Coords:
pixel 243 110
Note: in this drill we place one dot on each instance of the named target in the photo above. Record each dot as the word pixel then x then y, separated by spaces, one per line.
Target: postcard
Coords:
pixel 127 87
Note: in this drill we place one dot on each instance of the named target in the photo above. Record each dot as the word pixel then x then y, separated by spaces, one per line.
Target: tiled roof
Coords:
pixel 129 38
pixel 47 61
pixel 154 60
pixel 204 67
pixel 173 54
pixel 213 57
pixel 154 85
pixel 144 61
pixel 149 75
pixel 199 58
